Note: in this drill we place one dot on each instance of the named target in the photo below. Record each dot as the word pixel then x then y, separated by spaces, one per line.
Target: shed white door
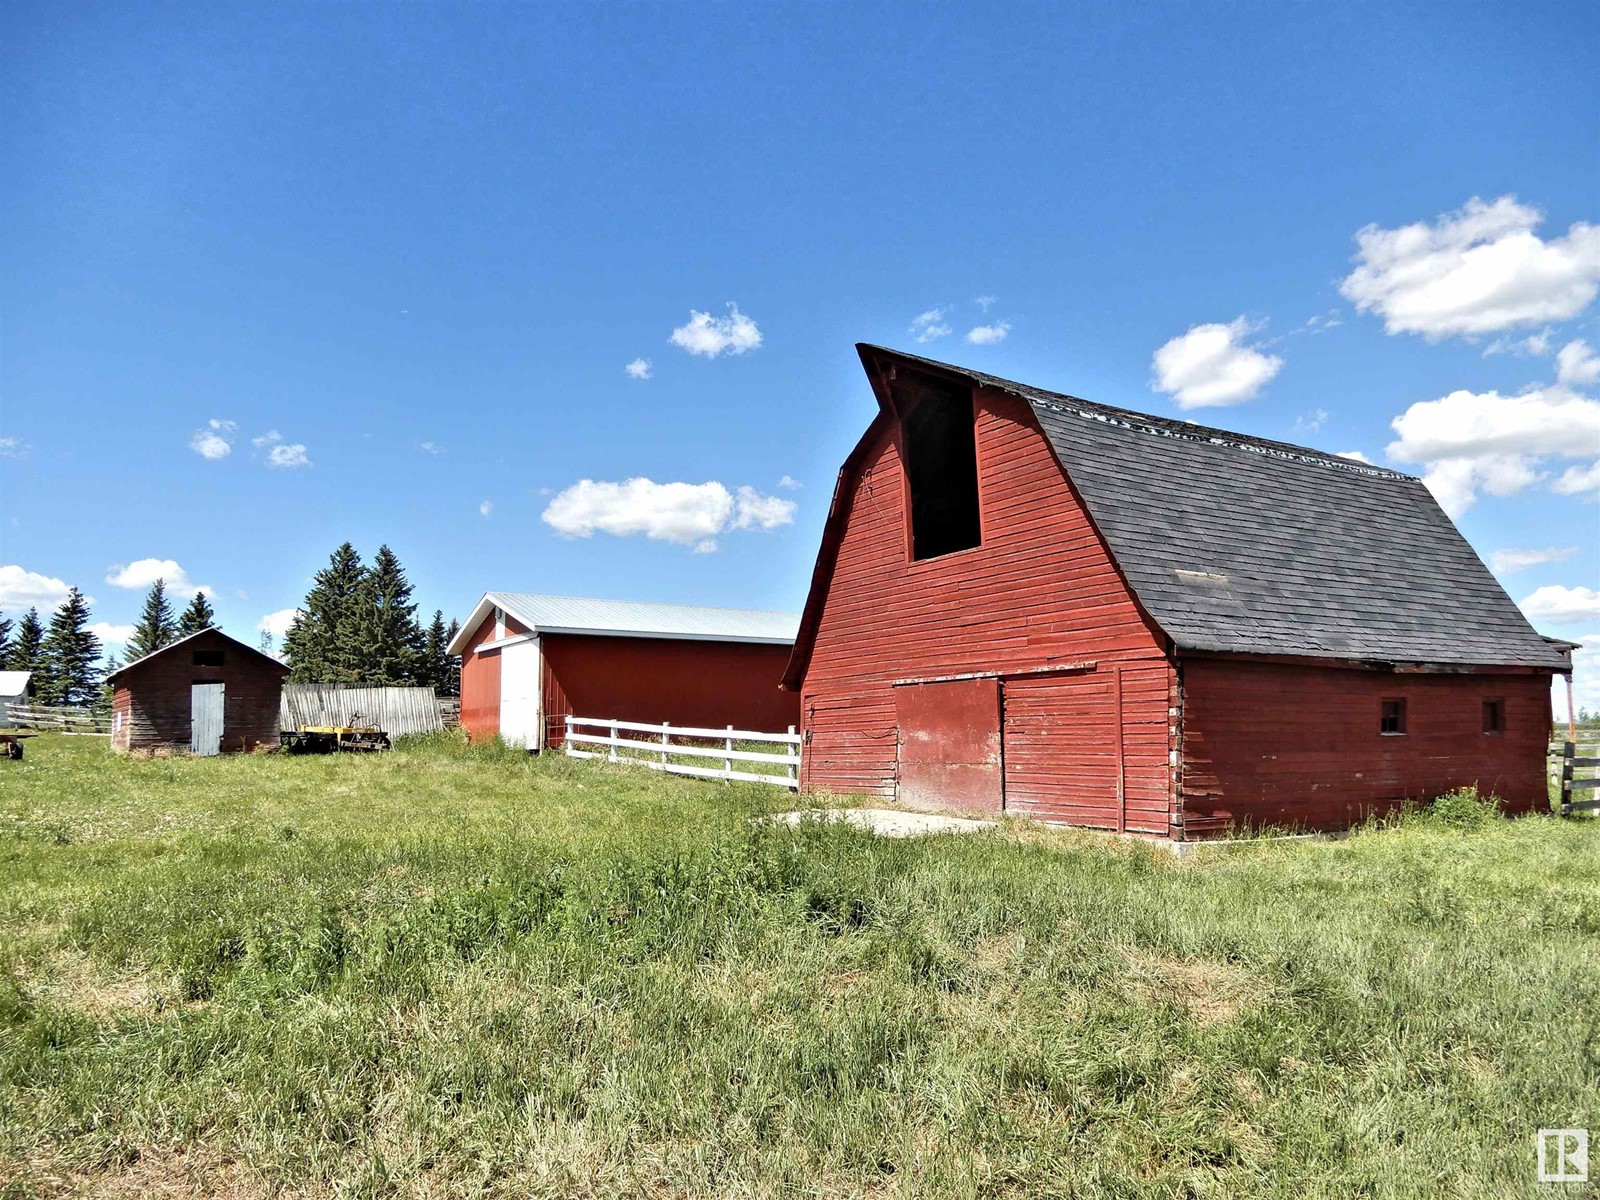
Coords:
pixel 519 694
pixel 205 718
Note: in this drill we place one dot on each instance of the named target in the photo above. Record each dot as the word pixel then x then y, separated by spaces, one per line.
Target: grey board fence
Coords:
pixel 397 711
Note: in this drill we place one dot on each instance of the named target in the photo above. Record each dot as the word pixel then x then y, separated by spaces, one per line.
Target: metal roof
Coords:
pixel 1245 545
pixel 628 618
pixel 14 683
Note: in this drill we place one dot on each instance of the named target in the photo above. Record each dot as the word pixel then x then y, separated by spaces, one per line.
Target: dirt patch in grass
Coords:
pixel 1213 993
pixel 77 982
pixel 156 1173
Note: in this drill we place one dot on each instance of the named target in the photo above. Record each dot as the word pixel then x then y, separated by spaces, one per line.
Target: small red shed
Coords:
pixel 1026 602
pixel 528 662
pixel 206 693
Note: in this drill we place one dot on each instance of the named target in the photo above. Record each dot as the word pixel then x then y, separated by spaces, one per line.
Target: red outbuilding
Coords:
pixel 1029 603
pixel 206 693
pixel 529 662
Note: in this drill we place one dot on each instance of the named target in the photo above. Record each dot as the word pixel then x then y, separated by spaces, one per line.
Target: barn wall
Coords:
pixel 686 682
pixel 1040 591
pixel 154 697
pixel 480 681
pixel 1299 746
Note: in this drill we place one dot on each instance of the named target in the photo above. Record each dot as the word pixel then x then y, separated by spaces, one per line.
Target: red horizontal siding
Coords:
pixel 480 685
pixel 1300 746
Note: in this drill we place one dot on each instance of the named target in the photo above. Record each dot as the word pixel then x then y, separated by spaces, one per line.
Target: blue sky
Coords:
pixel 403 256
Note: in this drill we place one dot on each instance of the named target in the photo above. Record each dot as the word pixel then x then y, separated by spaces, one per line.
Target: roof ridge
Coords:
pixel 781 612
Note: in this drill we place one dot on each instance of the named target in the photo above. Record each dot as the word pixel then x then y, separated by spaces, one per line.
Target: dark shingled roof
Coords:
pixel 1240 544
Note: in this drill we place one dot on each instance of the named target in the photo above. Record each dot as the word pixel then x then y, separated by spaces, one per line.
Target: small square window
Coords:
pixel 208 658
pixel 1393 718
pixel 1494 716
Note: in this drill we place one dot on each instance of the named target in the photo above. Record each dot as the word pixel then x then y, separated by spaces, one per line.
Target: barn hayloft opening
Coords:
pixel 941 467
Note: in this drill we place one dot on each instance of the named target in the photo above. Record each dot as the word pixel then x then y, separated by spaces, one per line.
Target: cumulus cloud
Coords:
pixel 277 623
pixel 279 452
pixel 1212 366
pixel 115 635
pixel 931 325
pixel 1576 364
pixel 1485 442
pixel 1513 559
pixel 1562 605
pixel 790 482
pixel 141 573
pixel 1579 481
pixel 1312 421
pixel 689 514
pixel 432 448
pixel 215 440
pixel 20 590
pixel 714 336
pixel 988 335
pixel 984 302
pixel 485 507
pixel 639 368
pixel 12 447
pixel 1478 270
pixel 1355 454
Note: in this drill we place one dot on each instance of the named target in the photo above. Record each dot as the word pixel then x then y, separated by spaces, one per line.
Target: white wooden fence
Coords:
pixel 58 718
pixel 658 752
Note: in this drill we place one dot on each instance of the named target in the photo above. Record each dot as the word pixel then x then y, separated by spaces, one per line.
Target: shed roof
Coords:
pixel 1241 544
pixel 627 618
pixel 171 646
pixel 14 683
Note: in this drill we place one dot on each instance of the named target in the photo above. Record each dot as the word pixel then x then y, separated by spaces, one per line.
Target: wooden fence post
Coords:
pixel 665 727
pixel 727 763
pixel 611 750
pixel 1569 751
pixel 790 770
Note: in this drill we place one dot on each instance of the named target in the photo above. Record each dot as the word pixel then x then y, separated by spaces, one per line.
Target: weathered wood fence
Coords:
pixel 668 742
pixel 1578 794
pixel 398 711
pixel 56 718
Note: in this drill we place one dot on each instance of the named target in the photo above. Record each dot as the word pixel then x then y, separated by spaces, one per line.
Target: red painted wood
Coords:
pixel 480 685
pixel 1040 590
pixel 1299 746
pixel 949 751
pixel 153 701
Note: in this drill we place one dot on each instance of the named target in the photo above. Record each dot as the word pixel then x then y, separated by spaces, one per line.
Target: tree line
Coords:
pixel 358 625
pixel 63 654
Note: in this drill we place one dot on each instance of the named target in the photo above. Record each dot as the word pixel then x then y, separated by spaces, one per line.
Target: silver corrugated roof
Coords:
pixel 560 614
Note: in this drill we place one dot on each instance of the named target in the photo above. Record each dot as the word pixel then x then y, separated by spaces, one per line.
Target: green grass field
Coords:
pixel 457 972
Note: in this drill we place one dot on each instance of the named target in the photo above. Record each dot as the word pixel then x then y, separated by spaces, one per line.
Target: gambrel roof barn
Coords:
pixel 1028 601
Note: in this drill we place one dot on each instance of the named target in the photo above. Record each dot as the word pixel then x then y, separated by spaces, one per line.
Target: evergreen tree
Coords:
pixel 103 701
pixel 387 634
pixel 156 628
pixel 322 646
pixel 71 654
pixel 26 647
pixel 452 679
pixel 5 643
pixel 435 672
pixel 199 615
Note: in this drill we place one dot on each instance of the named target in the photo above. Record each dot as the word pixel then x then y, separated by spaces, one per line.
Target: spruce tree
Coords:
pixel 26 652
pixel 390 640
pixel 435 672
pixel 156 628
pixel 71 654
pixel 199 615
pixel 5 643
pixel 452 677
pixel 322 646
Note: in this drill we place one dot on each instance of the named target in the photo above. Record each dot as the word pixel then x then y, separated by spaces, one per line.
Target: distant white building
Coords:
pixel 15 687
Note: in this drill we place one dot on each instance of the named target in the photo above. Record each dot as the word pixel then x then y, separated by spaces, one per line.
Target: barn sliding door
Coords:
pixel 205 718
pixel 949 744
pixel 1063 748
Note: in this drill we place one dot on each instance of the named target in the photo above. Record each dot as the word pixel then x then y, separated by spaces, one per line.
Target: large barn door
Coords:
pixel 1063 748
pixel 949 744
pixel 205 718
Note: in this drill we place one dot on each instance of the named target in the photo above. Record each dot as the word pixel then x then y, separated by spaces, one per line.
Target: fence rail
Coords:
pixel 1570 758
pixel 57 718
pixel 659 752
pixel 397 711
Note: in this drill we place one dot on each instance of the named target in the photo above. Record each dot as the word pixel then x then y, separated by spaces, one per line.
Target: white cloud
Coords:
pixel 277 623
pixel 1312 421
pixel 1486 442
pixel 141 573
pixel 690 514
pixel 1562 605
pixel 1322 322
pixel 20 590
pixel 1579 481
pixel 1513 559
pixel 931 325
pixel 1479 270
pixel 1535 344
pixel 1585 679
pixel 213 441
pixel 984 302
pixel 432 448
pixel 485 507
pixel 1576 364
pixel 115 635
pixel 705 546
pixel 12 447
pixel 1211 365
pixel 639 368
pixel 713 336
pixel 790 482
pixel 988 335
pixel 755 511
pixel 279 452
pixel 1355 454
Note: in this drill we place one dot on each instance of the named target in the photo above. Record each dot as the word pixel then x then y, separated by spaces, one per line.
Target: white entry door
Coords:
pixel 205 718
pixel 519 694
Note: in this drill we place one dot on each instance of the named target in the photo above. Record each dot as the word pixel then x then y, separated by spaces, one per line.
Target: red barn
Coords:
pixel 207 693
pixel 529 662
pixel 1025 602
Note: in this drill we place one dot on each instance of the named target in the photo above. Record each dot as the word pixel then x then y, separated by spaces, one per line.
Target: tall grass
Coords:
pixel 464 971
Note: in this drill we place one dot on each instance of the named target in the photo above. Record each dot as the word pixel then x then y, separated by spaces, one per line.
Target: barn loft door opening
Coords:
pixel 949 744
pixel 205 718
pixel 941 456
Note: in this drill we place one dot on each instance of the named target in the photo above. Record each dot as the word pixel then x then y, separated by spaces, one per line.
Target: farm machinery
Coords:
pixel 354 738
